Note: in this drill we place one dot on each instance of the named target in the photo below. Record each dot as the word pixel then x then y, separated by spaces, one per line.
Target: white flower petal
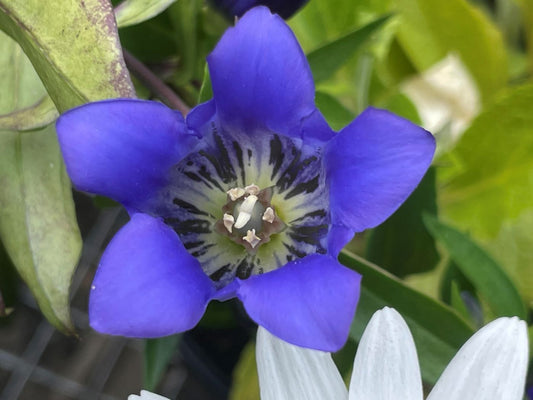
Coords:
pixel 288 372
pixel 445 95
pixel 491 365
pixel 386 363
pixel 146 395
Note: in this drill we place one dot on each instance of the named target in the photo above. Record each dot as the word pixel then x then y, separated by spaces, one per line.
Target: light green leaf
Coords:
pixel 245 384
pixel 512 248
pixel 437 329
pixel 323 21
pixel 430 29
pixel 484 273
pixel 206 90
pixel 157 355
pixel 492 180
pixel 327 59
pixel 73 45
pixel 131 12
pixel 37 218
pixel 185 20
pixel 36 116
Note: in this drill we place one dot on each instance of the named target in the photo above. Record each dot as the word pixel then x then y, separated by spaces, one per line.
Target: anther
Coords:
pixel 251 238
pixel 228 220
pixel 245 211
pixel 236 193
pixel 269 216
pixel 252 189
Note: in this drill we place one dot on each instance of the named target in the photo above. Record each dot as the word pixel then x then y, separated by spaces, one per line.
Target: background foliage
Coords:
pixel 456 255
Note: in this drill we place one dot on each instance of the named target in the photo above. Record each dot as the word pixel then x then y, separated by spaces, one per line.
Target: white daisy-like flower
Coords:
pixel 146 395
pixel 491 365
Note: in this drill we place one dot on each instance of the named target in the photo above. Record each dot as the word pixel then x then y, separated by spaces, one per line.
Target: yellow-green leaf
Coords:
pixel 73 45
pixel 36 116
pixel 132 12
pixel 37 218
pixel 492 180
pixel 430 29
pixel 245 384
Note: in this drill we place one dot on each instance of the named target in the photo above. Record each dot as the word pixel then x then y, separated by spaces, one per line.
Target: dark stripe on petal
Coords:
pixel 307 187
pixel 217 275
pixel 190 207
pixel 206 175
pixel 245 268
pixel 276 155
pixel 293 250
pixel 202 251
pixel 189 226
pixel 192 245
pixel 238 153
pixel 312 214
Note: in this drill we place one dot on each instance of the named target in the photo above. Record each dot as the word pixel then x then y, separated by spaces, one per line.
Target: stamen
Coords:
pixel 269 216
pixel 251 238
pixel 245 211
pixel 236 193
pixel 228 220
pixel 252 189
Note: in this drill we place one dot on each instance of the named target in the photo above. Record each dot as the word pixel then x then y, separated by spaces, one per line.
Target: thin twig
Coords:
pixel 154 84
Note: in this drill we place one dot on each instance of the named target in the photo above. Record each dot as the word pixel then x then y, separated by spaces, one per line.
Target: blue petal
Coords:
pixel 309 302
pixel 122 149
pixel 373 165
pixel 260 76
pixel 147 284
pixel 338 237
pixel 201 117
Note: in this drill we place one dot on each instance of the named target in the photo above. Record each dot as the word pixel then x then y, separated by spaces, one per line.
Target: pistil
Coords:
pixel 249 219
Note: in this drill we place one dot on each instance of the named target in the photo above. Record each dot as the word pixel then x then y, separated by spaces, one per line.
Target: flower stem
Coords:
pixel 154 83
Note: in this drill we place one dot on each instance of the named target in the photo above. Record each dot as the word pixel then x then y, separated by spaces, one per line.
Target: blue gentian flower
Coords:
pixel 251 196
pixel 284 8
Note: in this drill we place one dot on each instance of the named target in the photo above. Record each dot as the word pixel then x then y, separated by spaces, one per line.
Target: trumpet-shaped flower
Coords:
pixel 252 196
pixel 491 365
pixel 284 8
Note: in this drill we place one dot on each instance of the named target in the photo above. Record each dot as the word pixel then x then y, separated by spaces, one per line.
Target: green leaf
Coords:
pixel 73 45
pixel 185 20
pixel 401 105
pixel 402 244
pixel 430 29
pixel 131 12
pixel 157 355
pixel 206 90
pixel 485 274
pixel 437 329
pixel 327 59
pixel 36 116
pixel 457 302
pixel 512 248
pixel 335 113
pixel 245 384
pixel 37 218
pixel 490 182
